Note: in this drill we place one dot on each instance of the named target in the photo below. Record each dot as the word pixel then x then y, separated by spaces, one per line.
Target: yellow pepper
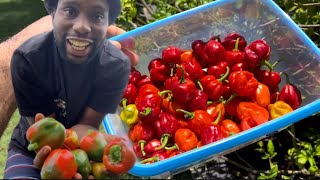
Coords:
pixel 129 114
pixel 278 109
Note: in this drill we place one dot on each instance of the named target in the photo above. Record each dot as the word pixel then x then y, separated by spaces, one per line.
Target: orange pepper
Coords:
pixel 229 127
pixel 262 96
pixel 214 109
pixel 186 56
pixel 185 139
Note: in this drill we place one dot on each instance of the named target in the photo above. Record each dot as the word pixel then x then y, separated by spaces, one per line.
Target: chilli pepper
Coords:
pixel 169 105
pixel 229 128
pixel 130 94
pixel 141 131
pixel 214 52
pixel 166 124
pixel 129 113
pixel 159 71
pixel 192 68
pixel 197 49
pixel 231 106
pixel 152 146
pixel 269 77
pixel 93 144
pixel 171 55
pixel 83 163
pixel 210 133
pixel 173 152
pixel 134 76
pixel 251 115
pixel 182 92
pixel 47 131
pixel 217 112
pixel 147 89
pixel 290 94
pixel 243 83
pixel 186 56
pixel 278 109
pixel 234 56
pixel 149 107
pixel 214 89
pixel 262 96
pixel 257 52
pixel 218 69
pixel 185 139
pixel 59 164
pixel 138 147
pixel 199 100
pixel 171 82
pixel 240 67
pixel 72 140
pixel 230 41
pixel 197 119
pixel 117 157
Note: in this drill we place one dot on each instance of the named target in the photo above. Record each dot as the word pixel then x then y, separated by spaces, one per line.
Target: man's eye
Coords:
pixel 98 18
pixel 70 12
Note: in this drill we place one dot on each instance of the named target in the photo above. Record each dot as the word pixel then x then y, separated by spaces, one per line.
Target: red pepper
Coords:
pixel 218 70
pixel 214 89
pixel 47 131
pixel 229 128
pixel 130 94
pixel 290 94
pixel 134 76
pixel 240 67
pixel 257 52
pixel 210 133
pixel 185 139
pixel 166 124
pixel 93 144
pixel 182 92
pixel 217 112
pixel 234 56
pixel 171 55
pixel 171 82
pixel 197 120
pixel 251 115
pixel 214 52
pixel 149 107
pixel 60 164
pixel 243 83
pixel 205 80
pixel 147 89
pixel 230 40
pixel 231 106
pixel 72 140
pixel 270 78
pixel 198 101
pixel 174 152
pixel 141 131
pixel 159 71
pixel 137 148
pixel 227 91
pixel 143 80
pixel 155 157
pixel 117 157
pixel 197 48
pixel 192 68
pixel 151 147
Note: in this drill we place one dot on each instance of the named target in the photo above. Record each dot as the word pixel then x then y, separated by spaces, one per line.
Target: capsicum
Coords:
pixel 129 113
pixel 199 100
pixel 290 94
pixel 278 109
pixel 185 139
pixel 229 128
pixel 130 94
pixel 243 83
pixel 234 56
pixel 214 52
pixel 251 115
pixel 93 144
pixel 141 131
pixel 72 140
pixel 83 163
pixel 256 53
pixel 158 71
pixel 231 39
pixel 171 55
pixel 262 96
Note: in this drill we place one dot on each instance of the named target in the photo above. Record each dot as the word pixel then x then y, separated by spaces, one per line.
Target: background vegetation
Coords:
pixel 274 157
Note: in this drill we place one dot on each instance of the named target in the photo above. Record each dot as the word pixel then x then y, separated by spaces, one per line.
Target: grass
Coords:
pixel 5 139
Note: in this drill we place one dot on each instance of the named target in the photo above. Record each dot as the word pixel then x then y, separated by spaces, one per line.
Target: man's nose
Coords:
pixel 82 25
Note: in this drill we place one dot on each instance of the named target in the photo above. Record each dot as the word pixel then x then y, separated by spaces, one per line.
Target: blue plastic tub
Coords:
pixel 254 19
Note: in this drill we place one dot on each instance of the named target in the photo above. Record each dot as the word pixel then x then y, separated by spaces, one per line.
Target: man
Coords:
pixel 71 73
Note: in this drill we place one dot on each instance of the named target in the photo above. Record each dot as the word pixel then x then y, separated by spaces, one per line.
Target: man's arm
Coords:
pixel 7 103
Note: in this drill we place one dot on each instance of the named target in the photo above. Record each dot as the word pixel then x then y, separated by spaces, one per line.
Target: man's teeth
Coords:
pixel 79 45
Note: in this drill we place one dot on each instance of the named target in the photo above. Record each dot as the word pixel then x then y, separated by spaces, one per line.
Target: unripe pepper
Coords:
pixel 229 128
pixel 230 41
pixel 279 109
pixel 47 131
pixel 83 163
pixel 72 140
pixel 129 114
pixel 93 144
pixel 251 115
pixel 60 164
pixel 290 94
pixel 99 171
pixel 243 83
pixel 117 157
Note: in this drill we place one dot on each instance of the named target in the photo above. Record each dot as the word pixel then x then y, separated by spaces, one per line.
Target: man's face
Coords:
pixel 80 28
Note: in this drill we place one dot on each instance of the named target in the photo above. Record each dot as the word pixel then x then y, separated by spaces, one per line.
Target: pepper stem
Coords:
pixel 146 111
pixel 124 105
pixel 218 117
pixel 115 154
pixel 33 146
pixel 151 159
pixel 175 146
pixel 233 95
pixel 183 79
pixel 270 67
pixel 142 143
pixel 200 85
pixel 225 75
pixel 287 77
pixel 190 115
pixel 164 92
pixel 164 141
pixel 236 46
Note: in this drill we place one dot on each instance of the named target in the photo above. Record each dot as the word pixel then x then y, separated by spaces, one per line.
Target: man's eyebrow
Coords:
pixel 71 2
pixel 100 8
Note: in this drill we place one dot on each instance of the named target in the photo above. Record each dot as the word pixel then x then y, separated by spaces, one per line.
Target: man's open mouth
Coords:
pixel 79 44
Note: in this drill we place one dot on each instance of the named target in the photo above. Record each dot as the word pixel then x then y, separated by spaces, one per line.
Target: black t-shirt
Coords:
pixel 45 83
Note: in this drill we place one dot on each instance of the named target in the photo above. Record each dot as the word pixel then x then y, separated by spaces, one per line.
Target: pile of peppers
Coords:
pixel 201 95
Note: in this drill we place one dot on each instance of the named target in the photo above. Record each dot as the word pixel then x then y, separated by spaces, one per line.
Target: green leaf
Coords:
pixel 270 147
pixel 266 156
pixel 313 169
pixel 302 159
pixel 260 144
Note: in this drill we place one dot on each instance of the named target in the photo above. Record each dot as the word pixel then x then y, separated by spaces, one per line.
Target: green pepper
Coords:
pixel 82 159
pixel 93 144
pixel 129 114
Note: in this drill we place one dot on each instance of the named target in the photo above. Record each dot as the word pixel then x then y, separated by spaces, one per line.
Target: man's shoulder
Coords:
pixel 112 54
pixel 37 43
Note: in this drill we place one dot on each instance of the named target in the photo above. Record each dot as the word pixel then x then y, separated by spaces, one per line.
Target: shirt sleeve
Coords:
pixel 30 95
pixel 110 85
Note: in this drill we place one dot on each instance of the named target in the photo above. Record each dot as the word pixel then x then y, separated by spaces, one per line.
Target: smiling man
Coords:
pixel 71 73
